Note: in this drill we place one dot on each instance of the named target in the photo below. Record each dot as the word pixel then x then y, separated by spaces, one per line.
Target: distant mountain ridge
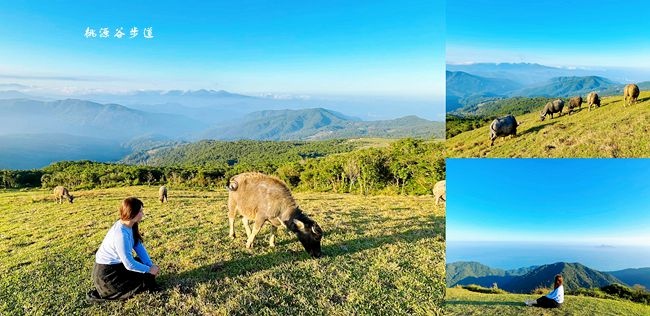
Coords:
pixel 89 119
pixel 570 86
pixel 533 73
pixel 461 85
pixel 634 276
pixel 90 125
pixel 470 85
pixel 319 124
pixel 575 276
pixel 523 73
pixel 472 272
pixel 557 87
pixel 526 280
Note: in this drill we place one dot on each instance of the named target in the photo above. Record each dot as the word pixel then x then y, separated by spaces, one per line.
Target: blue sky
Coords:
pixel 374 48
pixel 563 201
pixel 558 33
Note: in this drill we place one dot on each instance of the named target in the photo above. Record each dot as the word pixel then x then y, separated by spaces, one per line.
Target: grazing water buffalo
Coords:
pixel 502 127
pixel 162 194
pixel 440 191
pixel 630 93
pixel 263 198
pixel 593 99
pixel 575 102
pixel 551 108
pixel 61 192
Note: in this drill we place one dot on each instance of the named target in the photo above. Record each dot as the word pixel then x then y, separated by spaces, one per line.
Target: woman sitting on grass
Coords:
pixel 553 299
pixel 117 275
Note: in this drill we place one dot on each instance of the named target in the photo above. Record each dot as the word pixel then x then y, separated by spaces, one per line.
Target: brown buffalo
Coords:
pixel 162 194
pixel 593 99
pixel 264 198
pixel 61 192
pixel 440 191
pixel 630 93
pixel 575 102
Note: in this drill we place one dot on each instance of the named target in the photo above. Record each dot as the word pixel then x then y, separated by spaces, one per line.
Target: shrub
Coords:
pixel 480 289
pixel 541 290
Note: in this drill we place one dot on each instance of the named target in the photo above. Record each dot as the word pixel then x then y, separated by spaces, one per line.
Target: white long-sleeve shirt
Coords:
pixel 557 294
pixel 117 247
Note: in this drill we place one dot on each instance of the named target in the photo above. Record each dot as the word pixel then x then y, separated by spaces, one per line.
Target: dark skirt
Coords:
pixel 115 282
pixel 546 302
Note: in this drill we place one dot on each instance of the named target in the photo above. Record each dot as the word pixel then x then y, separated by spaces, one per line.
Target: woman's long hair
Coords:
pixel 130 208
pixel 558 281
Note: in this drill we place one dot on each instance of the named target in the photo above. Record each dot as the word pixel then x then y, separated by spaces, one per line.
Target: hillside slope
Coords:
pixel 458 271
pixel 464 302
pixel 608 131
pixel 634 276
pixel 575 276
pixel 525 280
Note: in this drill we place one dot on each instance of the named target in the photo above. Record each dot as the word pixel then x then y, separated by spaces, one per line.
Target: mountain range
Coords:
pixel 48 131
pixel 634 276
pixel 525 280
pixel 532 73
pixel 90 119
pixel 319 124
pixel 215 106
pixel 470 85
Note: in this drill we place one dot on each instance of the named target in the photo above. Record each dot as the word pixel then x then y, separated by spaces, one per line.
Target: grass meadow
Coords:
pixel 382 255
pixel 463 302
pixel 607 132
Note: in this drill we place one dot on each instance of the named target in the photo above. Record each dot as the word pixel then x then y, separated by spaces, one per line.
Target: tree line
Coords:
pixel 408 166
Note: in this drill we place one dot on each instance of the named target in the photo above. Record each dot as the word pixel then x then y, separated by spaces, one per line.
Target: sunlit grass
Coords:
pixel 609 131
pixel 463 302
pixel 383 255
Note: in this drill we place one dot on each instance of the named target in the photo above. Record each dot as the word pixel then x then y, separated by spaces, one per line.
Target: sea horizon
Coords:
pixel 513 255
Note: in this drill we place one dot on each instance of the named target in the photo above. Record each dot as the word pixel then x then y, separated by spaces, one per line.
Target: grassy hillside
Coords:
pixel 382 255
pixel 464 302
pixel 608 131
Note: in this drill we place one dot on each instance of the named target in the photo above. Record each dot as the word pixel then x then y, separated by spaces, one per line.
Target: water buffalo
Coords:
pixel 551 108
pixel 440 191
pixel 593 99
pixel 502 127
pixel 630 93
pixel 264 198
pixel 575 102
pixel 61 192
pixel 162 194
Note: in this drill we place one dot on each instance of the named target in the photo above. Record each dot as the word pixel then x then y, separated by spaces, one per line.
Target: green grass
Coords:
pixel 383 255
pixel 608 131
pixel 463 302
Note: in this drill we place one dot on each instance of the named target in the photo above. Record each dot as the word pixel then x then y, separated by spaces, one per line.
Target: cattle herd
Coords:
pixel 507 125
pixel 262 198
pixel 256 196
